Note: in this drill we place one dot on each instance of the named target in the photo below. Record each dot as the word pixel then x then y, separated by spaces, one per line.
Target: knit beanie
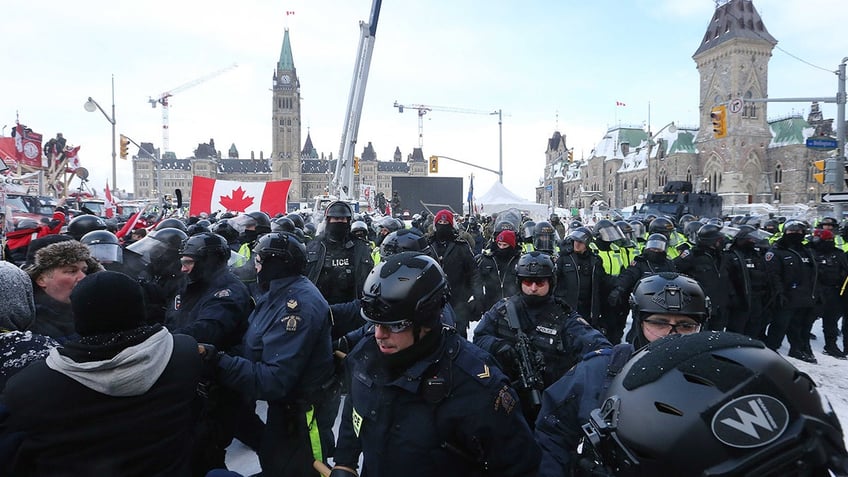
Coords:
pixel 444 214
pixel 18 309
pixel 107 302
pixel 507 236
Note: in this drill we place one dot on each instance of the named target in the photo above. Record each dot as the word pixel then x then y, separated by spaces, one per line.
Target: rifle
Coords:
pixel 529 375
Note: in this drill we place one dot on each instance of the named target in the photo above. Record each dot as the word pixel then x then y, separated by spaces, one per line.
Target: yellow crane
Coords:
pixel 423 109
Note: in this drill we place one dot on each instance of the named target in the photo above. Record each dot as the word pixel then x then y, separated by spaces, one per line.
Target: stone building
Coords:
pixel 309 171
pixel 758 161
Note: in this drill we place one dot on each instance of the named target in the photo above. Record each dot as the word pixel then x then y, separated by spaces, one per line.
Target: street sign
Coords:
pixel 835 197
pixel 736 106
pixel 549 187
pixel 822 143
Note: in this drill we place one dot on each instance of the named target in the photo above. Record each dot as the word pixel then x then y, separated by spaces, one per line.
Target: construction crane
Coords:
pixel 424 109
pixel 163 100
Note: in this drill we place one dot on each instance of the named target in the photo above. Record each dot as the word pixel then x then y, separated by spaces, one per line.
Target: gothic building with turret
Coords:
pixel 757 161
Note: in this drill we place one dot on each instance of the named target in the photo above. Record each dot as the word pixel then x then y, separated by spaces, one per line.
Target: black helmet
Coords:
pixel 172 223
pixel 829 221
pixel 210 253
pixel 224 229
pixel 544 237
pixel 390 223
pixel 717 404
pixel 297 219
pixel 657 242
pixel 710 236
pixel 625 228
pixel 404 240
pixel 282 224
pixel 309 229
pixel 339 209
pixel 204 223
pixel 408 286
pixel 669 293
pixel 574 224
pixel 771 226
pixel 746 233
pixel 691 231
pixel 281 254
pixel 685 219
pixel 359 229
pixel 528 228
pixel 661 225
pixel 536 265
pixel 263 222
pixel 794 226
pixel 104 246
pixel 160 251
pixel 83 224
pixel 607 231
pixel 639 230
pixel 580 234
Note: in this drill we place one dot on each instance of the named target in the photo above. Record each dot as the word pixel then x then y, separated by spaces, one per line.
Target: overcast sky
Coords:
pixel 558 64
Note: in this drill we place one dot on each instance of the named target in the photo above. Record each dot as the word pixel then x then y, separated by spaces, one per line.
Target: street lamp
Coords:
pixel 672 129
pixel 91 106
pixel 500 143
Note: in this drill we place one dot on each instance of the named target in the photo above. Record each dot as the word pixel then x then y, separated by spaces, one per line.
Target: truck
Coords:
pixel 677 199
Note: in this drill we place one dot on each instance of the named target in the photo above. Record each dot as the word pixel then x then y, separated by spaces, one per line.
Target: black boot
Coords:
pixel 831 349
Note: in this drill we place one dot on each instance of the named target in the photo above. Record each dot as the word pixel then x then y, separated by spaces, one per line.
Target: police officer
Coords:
pixel 154 261
pixel 558 336
pixel 793 267
pixel 662 305
pixel 423 401
pixel 712 404
pixel 286 359
pixel 212 307
pixel 581 279
pixel 753 287
pixel 545 239
pixel 338 263
pixel 664 225
pixel 832 277
pixel 105 248
pixel 607 243
pixel 705 263
pixel 83 224
pixel 497 268
pixel 559 227
pixel 455 259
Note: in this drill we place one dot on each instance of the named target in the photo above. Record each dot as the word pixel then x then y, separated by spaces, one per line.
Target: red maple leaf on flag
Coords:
pixel 238 202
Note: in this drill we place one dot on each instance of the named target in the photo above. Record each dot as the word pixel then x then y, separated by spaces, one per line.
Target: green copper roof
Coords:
pixel 793 130
pixel 685 142
pixel 286 60
pixel 633 136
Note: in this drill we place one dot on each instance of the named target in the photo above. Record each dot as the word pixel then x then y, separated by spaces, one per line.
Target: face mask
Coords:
pixel 534 300
pixel 248 236
pixel 503 252
pixel 337 231
pixel 793 239
pixel 444 232
pixel 654 256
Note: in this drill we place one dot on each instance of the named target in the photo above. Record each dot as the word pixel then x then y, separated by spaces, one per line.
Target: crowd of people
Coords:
pixel 142 349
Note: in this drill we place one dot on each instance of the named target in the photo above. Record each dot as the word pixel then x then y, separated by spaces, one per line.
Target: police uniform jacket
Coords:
pixel 795 274
pixel 571 274
pixel 352 270
pixel 448 415
pixel 461 270
pixel 286 353
pixel 567 403
pixel 553 327
pixel 639 268
pixel 749 277
pixel 710 270
pixel 213 312
pixel 498 277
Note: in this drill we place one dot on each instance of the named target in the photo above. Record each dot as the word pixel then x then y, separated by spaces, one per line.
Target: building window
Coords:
pixel 749 109
pixel 778 174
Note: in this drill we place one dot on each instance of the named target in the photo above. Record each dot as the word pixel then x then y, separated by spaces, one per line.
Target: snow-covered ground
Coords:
pixel 830 374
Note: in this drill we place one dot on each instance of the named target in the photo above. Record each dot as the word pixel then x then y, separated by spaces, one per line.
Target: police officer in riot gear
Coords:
pixel 581 278
pixel 559 337
pixel 154 261
pixel 705 263
pixel 753 287
pixel 105 248
pixel 286 359
pixel 423 401
pixel 83 224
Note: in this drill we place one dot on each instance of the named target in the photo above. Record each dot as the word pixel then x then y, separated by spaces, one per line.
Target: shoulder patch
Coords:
pixel 291 322
pixel 769 256
pixel 504 400
pixel 222 293
pixel 291 304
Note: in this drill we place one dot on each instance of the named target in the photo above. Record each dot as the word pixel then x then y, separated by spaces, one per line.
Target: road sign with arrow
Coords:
pixel 835 197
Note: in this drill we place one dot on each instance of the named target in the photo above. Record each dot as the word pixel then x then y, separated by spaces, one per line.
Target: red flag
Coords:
pixel 289 12
pixel 72 153
pixel 619 103
pixel 210 195
pixel 109 205
pixel 28 145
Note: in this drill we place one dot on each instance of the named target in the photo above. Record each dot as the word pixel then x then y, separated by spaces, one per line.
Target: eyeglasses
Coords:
pixel 662 326
pixel 187 262
pixel 397 327
pixel 527 282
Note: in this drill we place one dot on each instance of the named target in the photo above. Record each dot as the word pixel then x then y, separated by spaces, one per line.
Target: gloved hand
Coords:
pixel 505 354
pixel 614 297
pixel 341 344
pixel 477 308
pixel 342 471
pixel 210 356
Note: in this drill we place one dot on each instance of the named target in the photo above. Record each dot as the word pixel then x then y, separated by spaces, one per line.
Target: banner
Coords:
pixel 28 145
pixel 211 195
pixel 108 204
pixel 72 154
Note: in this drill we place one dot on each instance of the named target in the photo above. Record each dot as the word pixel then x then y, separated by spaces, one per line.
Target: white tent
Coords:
pixel 499 198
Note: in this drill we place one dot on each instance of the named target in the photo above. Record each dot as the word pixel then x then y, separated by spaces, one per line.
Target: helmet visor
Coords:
pixel 106 252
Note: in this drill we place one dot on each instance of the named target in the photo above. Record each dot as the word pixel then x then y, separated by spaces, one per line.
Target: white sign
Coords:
pixel 736 106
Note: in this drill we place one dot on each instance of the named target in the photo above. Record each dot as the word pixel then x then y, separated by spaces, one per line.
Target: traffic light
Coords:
pixel 571 155
pixel 125 144
pixel 719 117
pixel 355 165
pixel 830 170
pixel 820 166
pixel 434 164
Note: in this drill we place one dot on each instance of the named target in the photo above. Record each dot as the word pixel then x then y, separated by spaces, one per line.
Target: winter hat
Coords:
pixel 826 234
pixel 18 310
pixel 107 302
pixel 444 214
pixel 507 236
pixel 58 255
pixel 41 242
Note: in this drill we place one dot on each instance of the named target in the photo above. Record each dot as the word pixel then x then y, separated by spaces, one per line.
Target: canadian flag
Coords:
pixel 620 103
pixel 109 205
pixel 210 195
pixel 72 154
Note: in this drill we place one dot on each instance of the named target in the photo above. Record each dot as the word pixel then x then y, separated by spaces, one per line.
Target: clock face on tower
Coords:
pixel 286 79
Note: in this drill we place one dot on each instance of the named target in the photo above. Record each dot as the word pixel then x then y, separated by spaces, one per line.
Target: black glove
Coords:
pixel 614 297
pixel 209 356
pixel 342 345
pixel 506 355
pixel 341 471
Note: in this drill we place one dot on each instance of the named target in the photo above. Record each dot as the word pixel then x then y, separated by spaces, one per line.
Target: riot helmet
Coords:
pixel 404 240
pixel 282 224
pixel 104 246
pixel 534 265
pixel 544 237
pixel 528 228
pixel 795 226
pixel 710 236
pixel 208 254
pixel 771 226
pixel 83 224
pixel 408 288
pixel 726 405
pixel 581 234
pixel 337 230
pixel 339 209
pixel 159 251
pixel 297 219
pixel 830 221
pixel 669 293
pixel 359 230
pixel 691 231
pixel 171 223
pixel 605 230
pixel 224 229
pixel 263 222
pixel 626 229
pixel 685 219
pixel 661 225
pixel 278 255
pixel 639 230
pixel 657 242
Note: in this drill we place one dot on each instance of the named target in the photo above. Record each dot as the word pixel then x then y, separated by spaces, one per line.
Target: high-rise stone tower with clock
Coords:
pixel 285 118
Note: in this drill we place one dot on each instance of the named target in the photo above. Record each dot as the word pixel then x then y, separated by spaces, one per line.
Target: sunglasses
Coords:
pixel 397 327
pixel 534 281
pixel 662 326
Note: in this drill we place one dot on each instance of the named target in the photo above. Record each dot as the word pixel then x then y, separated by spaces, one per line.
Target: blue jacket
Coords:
pixel 567 403
pixel 287 354
pixel 441 417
